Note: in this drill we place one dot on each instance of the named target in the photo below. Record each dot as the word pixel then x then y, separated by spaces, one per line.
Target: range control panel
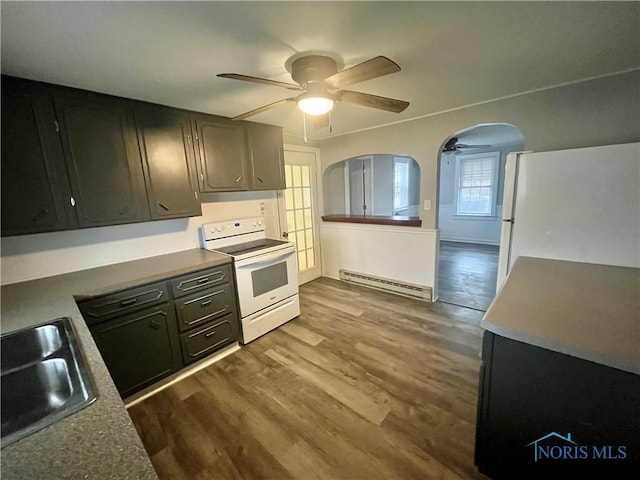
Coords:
pixel 232 228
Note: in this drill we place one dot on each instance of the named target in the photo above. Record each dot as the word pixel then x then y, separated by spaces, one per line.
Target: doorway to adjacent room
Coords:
pixel 470 186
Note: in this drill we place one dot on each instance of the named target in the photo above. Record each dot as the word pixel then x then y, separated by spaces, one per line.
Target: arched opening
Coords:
pixel 469 211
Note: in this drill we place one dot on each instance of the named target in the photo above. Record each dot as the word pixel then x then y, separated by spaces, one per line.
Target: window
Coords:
pixel 476 182
pixel 400 183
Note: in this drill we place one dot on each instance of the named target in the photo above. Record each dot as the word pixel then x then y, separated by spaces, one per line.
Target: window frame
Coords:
pixel 407 162
pixel 495 158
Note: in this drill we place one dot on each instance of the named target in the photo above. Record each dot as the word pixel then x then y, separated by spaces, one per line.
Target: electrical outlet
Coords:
pixel 427 204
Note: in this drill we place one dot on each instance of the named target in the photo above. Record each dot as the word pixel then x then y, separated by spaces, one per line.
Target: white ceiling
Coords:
pixel 451 53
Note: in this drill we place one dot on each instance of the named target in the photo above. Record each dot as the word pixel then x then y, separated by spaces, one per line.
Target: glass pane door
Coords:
pixel 300 212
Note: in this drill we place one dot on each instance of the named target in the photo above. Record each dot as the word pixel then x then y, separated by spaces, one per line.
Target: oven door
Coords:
pixel 264 280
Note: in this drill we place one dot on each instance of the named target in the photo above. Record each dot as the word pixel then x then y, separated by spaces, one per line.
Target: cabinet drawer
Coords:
pixel 196 281
pixel 206 340
pixel 205 306
pixel 102 308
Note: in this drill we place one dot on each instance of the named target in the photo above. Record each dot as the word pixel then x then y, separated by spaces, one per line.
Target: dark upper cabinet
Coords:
pixel 103 159
pixel 35 191
pixel 222 158
pixel 266 157
pixel 168 161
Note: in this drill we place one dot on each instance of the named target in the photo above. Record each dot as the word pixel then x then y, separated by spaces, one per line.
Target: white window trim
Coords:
pixel 494 189
pixel 407 162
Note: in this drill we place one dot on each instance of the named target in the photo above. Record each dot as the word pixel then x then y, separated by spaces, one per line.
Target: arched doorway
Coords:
pixel 470 189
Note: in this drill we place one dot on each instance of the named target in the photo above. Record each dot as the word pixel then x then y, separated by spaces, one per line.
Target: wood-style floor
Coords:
pixel 363 385
pixel 467 274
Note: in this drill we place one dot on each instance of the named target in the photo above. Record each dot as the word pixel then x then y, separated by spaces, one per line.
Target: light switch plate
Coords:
pixel 427 204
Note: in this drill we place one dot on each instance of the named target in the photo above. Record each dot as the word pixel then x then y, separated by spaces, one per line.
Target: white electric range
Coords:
pixel 266 273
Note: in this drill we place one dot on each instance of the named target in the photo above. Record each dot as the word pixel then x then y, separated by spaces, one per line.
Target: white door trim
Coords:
pixel 317 200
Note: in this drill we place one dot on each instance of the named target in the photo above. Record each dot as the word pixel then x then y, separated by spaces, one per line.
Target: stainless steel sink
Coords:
pixel 43 378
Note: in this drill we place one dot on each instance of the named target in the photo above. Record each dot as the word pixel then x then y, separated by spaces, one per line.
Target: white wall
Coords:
pixel 603 111
pixel 33 256
pixel 369 248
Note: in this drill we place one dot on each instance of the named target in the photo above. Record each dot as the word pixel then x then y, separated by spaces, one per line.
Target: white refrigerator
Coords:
pixel 580 205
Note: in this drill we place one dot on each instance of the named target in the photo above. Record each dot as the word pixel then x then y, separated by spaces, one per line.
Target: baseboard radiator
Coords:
pixel 421 292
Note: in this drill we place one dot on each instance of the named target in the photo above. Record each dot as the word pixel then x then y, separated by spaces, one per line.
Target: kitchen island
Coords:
pixel 559 386
pixel 100 440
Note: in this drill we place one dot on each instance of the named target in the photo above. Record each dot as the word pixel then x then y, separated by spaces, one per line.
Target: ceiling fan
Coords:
pixel 452 145
pixel 320 83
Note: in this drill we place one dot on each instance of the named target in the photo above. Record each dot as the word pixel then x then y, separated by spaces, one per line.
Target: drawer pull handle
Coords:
pixel 205 303
pixel 164 207
pixel 129 302
pixel 192 283
pixel 155 324
pixel 210 334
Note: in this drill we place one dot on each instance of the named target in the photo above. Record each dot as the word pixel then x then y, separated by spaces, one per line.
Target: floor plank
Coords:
pixel 467 274
pixel 363 384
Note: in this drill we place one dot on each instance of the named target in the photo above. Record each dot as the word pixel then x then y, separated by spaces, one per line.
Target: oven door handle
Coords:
pixel 258 259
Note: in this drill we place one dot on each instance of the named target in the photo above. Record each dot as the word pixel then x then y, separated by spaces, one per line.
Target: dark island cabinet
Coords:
pixel 222 154
pixel 140 348
pixel 168 161
pixel 266 156
pixel 543 414
pixel 35 192
pixel 103 159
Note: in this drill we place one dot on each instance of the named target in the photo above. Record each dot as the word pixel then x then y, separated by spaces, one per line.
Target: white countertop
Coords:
pixel 579 309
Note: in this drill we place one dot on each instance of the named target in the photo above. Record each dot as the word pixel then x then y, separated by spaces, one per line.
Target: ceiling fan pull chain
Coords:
pixel 304 127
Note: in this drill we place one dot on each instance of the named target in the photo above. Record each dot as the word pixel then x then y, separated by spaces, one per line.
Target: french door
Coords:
pixel 298 206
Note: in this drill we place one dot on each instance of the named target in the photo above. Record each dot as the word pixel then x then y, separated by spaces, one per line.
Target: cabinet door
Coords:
pixel 168 161
pixel 267 157
pixel 103 159
pixel 35 190
pixel 140 348
pixel 222 154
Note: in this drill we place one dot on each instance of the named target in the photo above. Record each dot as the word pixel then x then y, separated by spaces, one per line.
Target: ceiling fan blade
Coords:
pixel 373 101
pixel 265 81
pixel 462 145
pixel 319 121
pixel 376 67
pixel 263 108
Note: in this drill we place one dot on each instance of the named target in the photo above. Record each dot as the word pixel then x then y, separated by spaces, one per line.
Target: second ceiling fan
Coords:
pixel 320 83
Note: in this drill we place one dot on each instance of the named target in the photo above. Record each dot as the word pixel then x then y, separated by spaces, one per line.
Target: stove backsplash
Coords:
pixel 34 256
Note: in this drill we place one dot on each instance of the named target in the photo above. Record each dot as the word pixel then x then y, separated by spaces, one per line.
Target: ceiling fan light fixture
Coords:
pixel 315 105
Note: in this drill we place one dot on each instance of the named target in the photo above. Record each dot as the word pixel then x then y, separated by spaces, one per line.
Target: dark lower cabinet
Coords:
pixel 543 414
pixel 140 348
pixel 169 162
pixel 35 192
pixel 148 332
pixel 101 147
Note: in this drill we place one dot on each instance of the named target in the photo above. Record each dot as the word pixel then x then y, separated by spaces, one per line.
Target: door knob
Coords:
pixel 285 234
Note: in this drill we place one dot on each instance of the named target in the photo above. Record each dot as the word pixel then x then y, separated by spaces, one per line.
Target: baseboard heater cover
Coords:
pixel 421 292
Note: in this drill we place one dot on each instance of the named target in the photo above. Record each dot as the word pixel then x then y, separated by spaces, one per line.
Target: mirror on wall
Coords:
pixel 373 185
